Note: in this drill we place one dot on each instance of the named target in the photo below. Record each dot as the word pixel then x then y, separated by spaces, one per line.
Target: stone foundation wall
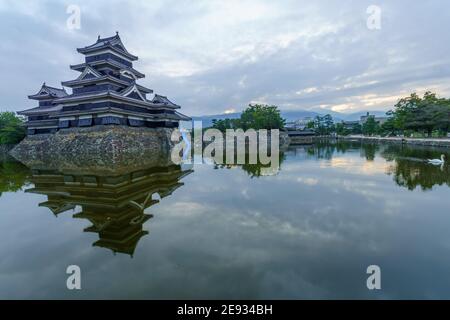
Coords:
pixel 98 147
pixel 411 141
pixel 5 148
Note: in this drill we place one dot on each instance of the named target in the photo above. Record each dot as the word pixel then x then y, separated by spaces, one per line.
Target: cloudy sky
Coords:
pixel 217 56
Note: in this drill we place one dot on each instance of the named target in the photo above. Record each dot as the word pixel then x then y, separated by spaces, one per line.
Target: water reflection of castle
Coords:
pixel 113 204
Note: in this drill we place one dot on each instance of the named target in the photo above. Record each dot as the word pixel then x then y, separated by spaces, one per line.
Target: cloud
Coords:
pixel 228 111
pixel 211 56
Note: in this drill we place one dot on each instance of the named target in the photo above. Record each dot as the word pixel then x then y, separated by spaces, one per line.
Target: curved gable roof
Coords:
pixel 164 100
pixel 113 42
pixel 48 92
pixel 132 89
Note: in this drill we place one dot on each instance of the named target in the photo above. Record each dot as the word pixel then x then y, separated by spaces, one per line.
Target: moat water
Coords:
pixel 307 230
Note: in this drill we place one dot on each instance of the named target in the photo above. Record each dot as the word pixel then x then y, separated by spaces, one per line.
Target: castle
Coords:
pixel 105 93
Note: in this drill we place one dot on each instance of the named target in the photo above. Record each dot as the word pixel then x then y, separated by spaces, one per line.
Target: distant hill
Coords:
pixel 207 120
pixel 298 114
pixel 292 115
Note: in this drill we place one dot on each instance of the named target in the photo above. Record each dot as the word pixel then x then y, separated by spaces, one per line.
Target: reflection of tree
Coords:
pixel 369 150
pixel 343 146
pixel 409 166
pixel 13 175
pixel 326 149
pixel 322 150
pixel 259 169
pixel 410 169
pixel 255 169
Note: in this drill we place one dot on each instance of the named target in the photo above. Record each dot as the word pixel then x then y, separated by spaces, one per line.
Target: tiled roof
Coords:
pixel 183 117
pixel 162 99
pixel 51 91
pixel 110 61
pixel 113 94
pixel 39 110
pixel 56 92
pixel 111 42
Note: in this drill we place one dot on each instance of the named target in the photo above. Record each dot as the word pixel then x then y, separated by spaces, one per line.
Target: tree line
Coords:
pixel 429 115
pixel 256 116
pixel 411 116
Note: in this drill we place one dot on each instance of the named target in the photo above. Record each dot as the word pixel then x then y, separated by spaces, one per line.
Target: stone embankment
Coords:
pixel 98 148
pixel 432 142
pixel 5 148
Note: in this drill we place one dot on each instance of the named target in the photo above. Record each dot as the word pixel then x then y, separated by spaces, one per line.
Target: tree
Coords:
pixel 310 125
pixel 260 116
pixel 12 128
pixel 370 127
pixel 441 118
pixel 388 127
pixel 254 117
pixel 225 124
pixel 341 130
pixel 356 129
pixel 403 109
pixel 328 123
pixel 323 125
pixel 426 114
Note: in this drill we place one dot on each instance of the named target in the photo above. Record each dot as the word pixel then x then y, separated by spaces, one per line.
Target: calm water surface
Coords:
pixel 308 230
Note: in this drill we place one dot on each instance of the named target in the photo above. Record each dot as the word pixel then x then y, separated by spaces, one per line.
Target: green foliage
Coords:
pixel 12 129
pixel 225 124
pixel 426 114
pixel 342 130
pixel 254 170
pixel 388 128
pixel 261 117
pixel 310 125
pixel 416 174
pixel 13 175
pixel 370 127
pixel 356 129
pixel 322 125
pixel 254 117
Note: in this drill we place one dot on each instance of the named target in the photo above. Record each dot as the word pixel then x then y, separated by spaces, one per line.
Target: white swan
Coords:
pixel 437 161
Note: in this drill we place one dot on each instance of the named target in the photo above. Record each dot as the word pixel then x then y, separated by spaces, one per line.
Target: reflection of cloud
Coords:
pixel 308 181
pixel 269 171
pixel 357 165
pixel 285 235
pixel 185 209
pixel 245 193
pixel 277 225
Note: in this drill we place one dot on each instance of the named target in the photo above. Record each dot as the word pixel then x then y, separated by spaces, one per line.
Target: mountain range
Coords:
pixel 291 115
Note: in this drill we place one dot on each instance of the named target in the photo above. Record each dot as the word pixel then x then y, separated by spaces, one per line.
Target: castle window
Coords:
pixel 136 123
pixel 110 120
pixel 64 124
pixel 85 122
